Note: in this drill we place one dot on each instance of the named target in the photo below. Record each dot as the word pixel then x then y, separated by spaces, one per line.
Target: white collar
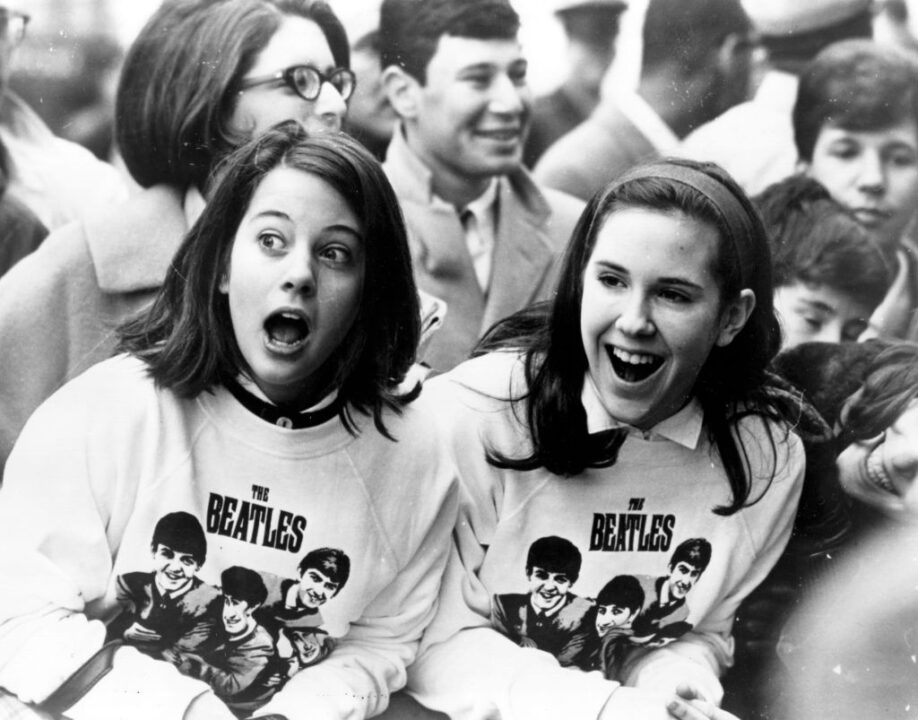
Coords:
pixel 252 388
pixel 777 90
pixel 646 119
pixel 682 428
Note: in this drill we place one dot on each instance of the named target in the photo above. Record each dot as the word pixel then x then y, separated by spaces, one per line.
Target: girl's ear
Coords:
pixel 734 317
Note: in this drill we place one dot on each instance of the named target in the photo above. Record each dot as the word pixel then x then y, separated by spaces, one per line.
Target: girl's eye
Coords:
pixel 271 241
pixel 674 296
pixel 902 159
pixel 611 281
pixel 337 254
pixel 844 152
pixel 813 323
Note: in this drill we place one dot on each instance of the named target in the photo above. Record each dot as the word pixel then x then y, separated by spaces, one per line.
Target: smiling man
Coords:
pixel 484 236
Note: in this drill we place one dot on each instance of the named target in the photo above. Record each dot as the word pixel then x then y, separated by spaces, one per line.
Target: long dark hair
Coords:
pixel 186 337
pixel 733 382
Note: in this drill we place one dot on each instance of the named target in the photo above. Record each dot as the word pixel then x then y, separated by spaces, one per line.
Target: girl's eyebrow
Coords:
pixel 269 212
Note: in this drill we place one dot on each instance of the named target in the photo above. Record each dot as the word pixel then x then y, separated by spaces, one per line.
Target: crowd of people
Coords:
pixel 388 390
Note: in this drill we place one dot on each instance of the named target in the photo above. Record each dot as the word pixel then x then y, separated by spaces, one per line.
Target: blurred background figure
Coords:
pixel 892 25
pixel 754 141
pixel 57 180
pixel 591 29
pixel 682 85
pixel 370 117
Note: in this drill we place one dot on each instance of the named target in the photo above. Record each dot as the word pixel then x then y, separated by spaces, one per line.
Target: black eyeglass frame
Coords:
pixel 288 77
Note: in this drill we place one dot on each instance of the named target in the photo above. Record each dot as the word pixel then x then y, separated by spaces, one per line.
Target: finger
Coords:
pixel 683 710
pixel 689 692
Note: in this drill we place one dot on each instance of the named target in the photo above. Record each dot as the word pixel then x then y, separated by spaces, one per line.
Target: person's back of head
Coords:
pixel 827 268
pixel 696 60
pixel 794 32
pixel 410 30
pixel 681 33
pixel 856 85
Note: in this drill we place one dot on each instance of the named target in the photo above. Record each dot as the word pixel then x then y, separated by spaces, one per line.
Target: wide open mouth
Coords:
pixel 633 367
pixel 287 329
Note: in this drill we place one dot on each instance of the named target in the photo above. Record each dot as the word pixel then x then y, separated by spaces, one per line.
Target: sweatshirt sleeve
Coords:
pixel 369 662
pixel 57 543
pixel 700 656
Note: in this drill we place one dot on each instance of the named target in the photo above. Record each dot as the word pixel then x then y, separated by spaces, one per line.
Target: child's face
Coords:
pixel 237 615
pixel 315 587
pixel 682 578
pixel 612 616
pixel 173 569
pixel 548 589
pixel 872 173
pixel 294 283
pixel 812 312
pixel 651 312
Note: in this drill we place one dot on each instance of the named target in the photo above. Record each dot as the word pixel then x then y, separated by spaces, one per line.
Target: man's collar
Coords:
pixel 682 428
pixel 647 120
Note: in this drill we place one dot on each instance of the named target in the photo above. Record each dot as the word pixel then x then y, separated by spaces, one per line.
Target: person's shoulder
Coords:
pixel 499 375
pixel 772 450
pixel 564 206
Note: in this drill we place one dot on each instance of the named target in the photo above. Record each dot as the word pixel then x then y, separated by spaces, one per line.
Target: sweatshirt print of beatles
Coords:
pixel 289 571
pixel 623 570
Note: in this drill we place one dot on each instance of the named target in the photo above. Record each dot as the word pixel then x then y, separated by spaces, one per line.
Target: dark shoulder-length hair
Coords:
pixel 180 78
pixel 186 337
pixel 734 380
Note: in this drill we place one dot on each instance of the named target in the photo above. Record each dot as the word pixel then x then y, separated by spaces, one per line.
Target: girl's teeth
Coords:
pixel 633 358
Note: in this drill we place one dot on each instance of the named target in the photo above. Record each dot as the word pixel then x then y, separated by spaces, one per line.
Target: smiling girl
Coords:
pixel 635 420
pixel 260 398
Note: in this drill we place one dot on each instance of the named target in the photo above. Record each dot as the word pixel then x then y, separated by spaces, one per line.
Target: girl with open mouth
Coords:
pixel 632 416
pixel 263 398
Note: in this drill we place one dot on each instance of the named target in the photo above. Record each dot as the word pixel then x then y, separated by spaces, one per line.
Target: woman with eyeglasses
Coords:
pixel 202 77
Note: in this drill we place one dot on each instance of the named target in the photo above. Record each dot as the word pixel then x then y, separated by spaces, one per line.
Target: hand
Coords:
pixel 138 633
pixel 206 706
pixel 689 704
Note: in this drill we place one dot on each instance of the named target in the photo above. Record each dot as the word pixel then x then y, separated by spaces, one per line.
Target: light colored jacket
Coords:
pixel 59 306
pixel 533 227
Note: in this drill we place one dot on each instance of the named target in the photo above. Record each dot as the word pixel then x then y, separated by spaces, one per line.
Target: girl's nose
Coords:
pixel 329 110
pixel 635 318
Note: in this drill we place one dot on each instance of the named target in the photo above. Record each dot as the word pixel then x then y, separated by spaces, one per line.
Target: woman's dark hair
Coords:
pixel 856 85
pixel 180 78
pixel 187 338
pixel 891 384
pixel 733 382
pixel 816 240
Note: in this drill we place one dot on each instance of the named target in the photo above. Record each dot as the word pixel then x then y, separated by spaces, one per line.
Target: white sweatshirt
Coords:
pixel 108 455
pixel 627 519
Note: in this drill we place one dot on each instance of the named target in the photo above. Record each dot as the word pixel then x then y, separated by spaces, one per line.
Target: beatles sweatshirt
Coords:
pixel 650 516
pixel 110 455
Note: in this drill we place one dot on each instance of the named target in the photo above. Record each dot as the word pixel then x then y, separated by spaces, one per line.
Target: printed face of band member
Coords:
pixel 547 589
pixel 173 570
pixel 237 615
pixel 294 282
pixel 473 111
pixel 682 578
pixel 297 41
pixel 315 588
pixel 651 312
pixel 812 312
pixel 612 616
pixel 872 173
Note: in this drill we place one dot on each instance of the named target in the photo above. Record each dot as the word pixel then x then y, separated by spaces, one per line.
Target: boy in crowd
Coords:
pixel 170 608
pixel 829 274
pixel 484 237
pixel 856 131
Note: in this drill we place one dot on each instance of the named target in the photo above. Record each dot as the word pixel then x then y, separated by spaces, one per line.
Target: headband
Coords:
pixel 733 214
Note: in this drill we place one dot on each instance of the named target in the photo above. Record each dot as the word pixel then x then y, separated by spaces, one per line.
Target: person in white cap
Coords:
pixel 591 27
pixel 754 141
pixel 695 64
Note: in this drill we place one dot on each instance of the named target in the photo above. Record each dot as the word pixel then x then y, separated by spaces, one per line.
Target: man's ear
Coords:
pixel 403 91
pixel 735 316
